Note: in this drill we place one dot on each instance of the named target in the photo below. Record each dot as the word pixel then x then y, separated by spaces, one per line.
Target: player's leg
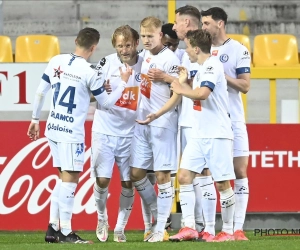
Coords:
pixel 53 226
pixel 221 167
pixel 102 162
pixel 163 142
pixel 146 211
pixel 71 157
pixel 141 160
pixel 241 187
pixel 122 154
pixel 191 163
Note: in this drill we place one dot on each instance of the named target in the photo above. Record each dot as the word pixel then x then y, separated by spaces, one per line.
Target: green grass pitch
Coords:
pixel 35 240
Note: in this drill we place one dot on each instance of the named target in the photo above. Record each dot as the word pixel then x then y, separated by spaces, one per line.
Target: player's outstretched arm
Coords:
pixel 194 94
pixel 171 103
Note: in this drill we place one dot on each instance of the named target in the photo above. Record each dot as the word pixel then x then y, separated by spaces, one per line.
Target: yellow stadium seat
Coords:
pixel 243 39
pixel 275 50
pixel 36 48
pixel 5 49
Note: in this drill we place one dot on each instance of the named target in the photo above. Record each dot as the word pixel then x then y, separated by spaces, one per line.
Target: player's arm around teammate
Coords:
pixel 112 130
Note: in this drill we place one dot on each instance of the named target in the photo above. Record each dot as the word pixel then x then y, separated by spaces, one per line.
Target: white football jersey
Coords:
pixel 179 53
pixel 154 95
pixel 211 116
pixel 120 119
pixel 236 60
pixel 72 79
pixel 186 108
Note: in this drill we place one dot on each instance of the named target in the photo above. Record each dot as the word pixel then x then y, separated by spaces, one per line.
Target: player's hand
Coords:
pixel 107 86
pixel 183 74
pixel 125 74
pixel 149 118
pixel 176 87
pixel 156 75
pixel 33 131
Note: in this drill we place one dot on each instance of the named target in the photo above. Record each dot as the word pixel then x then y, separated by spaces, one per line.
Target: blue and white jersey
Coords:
pixel 72 80
pixel 236 60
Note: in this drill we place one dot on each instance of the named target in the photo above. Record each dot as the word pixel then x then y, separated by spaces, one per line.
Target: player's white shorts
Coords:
pixel 184 134
pixel 67 156
pixel 153 148
pixel 105 151
pixel 215 154
pixel 240 141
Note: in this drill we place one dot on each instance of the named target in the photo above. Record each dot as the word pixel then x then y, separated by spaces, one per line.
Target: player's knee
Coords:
pixel 136 174
pixel 102 182
pixel 185 177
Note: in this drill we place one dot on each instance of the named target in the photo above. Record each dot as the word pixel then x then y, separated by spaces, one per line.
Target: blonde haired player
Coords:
pixel 72 80
pixel 112 130
pixel 154 146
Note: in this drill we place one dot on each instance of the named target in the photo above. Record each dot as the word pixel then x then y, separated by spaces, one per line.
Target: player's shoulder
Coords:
pixel 213 65
pixel 237 45
pixel 105 61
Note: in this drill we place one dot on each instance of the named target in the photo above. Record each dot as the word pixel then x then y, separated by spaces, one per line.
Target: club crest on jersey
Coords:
pixel 138 77
pixel 79 149
pixel 152 66
pixel 173 69
pixel 214 52
pixel 57 72
pixel 224 58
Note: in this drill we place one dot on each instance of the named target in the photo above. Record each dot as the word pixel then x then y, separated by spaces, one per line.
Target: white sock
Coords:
pixel 66 203
pixel 164 204
pixel 227 202
pixel 187 203
pixel 126 201
pixel 100 195
pixel 198 202
pixel 54 206
pixel 148 195
pixel 173 192
pixel 209 203
pixel 241 191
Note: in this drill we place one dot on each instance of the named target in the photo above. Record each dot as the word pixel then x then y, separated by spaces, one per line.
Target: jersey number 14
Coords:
pixel 70 104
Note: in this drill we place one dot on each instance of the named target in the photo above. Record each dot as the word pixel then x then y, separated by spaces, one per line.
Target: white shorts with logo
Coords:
pixel 153 148
pixel 240 141
pixel 215 154
pixel 67 156
pixel 106 151
pixel 184 134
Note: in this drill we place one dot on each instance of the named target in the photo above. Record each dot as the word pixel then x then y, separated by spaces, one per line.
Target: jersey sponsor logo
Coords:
pixel 129 98
pixel 148 59
pixel 72 76
pixel 209 68
pixel 57 72
pixel 246 53
pixel 146 86
pixel 79 149
pixel 197 105
pixel 59 128
pixel 62 117
pixel 224 58
pixel 173 69
pixel 214 52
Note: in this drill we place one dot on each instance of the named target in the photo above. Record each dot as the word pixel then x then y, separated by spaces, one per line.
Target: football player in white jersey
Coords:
pixel 112 131
pixel 72 80
pixel 236 61
pixel 211 134
pixel 154 147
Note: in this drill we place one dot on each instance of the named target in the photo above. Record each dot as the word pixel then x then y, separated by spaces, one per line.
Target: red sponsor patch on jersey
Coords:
pixel 146 86
pixel 214 52
pixel 197 105
pixel 129 98
pixel 148 59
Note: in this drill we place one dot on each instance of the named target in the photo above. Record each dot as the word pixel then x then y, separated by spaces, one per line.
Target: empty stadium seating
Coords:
pixel 5 49
pixel 36 48
pixel 275 50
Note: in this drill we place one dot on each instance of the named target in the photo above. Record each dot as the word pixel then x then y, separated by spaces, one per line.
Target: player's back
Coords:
pixel 69 76
pixel 211 116
pixel 155 94
pixel 236 60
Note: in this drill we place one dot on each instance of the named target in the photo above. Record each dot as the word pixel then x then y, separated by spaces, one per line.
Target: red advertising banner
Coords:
pixel 27 178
